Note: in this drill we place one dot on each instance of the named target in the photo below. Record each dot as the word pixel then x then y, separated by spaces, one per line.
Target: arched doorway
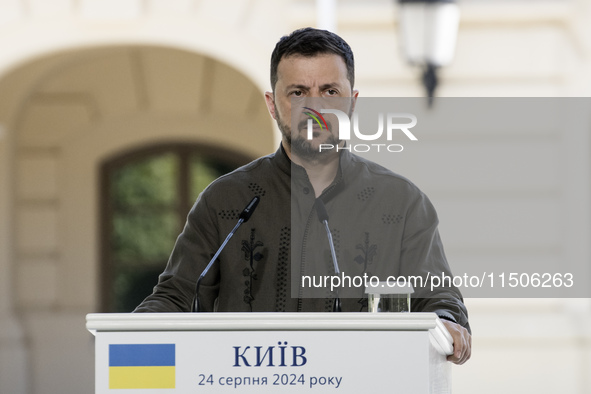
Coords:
pixel 146 195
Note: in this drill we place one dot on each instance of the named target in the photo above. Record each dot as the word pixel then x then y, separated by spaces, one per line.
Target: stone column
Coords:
pixel 13 359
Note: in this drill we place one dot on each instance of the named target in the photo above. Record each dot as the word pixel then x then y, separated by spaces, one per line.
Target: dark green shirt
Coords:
pixel 381 223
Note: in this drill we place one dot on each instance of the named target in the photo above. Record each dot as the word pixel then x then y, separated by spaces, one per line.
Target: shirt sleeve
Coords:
pixel 422 255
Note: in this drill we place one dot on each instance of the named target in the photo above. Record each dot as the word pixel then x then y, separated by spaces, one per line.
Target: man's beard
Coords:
pixel 302 147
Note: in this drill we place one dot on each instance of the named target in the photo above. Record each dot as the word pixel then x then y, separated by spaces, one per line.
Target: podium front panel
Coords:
pixel 302 360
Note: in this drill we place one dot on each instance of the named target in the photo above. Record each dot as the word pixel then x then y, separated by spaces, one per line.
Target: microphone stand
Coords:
pixel 323 217
pixel 244 216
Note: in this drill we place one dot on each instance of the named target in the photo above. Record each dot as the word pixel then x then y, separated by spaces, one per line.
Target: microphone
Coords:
pixel 243 218
pixel 248 211
pixel 323 217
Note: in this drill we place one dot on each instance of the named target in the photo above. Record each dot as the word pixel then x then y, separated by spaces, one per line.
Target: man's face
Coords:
pixel 300 78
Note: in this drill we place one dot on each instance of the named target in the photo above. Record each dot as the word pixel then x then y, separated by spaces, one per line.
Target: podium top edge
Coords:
pixel 354 321
pixel 260 321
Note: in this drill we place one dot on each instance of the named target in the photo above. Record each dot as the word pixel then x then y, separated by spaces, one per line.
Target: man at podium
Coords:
pixel 318 203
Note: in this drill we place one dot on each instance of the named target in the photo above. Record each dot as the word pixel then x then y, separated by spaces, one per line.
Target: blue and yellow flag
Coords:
pixel 150 366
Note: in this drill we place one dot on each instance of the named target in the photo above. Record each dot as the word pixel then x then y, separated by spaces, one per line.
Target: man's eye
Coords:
pixel 297 93
pixel 332 92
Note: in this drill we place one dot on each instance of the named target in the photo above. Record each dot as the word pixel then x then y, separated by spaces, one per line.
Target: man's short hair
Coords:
pixel 310 42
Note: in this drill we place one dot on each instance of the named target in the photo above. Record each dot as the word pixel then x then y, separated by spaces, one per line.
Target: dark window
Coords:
pixel 146 196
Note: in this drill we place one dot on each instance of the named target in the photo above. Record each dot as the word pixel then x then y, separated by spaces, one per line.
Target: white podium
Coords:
pixel 271 353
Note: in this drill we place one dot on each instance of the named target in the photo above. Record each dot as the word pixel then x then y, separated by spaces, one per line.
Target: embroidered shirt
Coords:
pixel 381 223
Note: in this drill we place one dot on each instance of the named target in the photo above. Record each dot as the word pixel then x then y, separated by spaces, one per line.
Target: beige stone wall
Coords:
pixel 81 80
pixel 69 113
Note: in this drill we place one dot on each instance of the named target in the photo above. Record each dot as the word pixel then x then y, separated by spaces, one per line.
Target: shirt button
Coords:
pixel 306 190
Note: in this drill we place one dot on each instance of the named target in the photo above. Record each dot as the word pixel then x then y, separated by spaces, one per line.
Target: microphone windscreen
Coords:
pixel 321 210
pixel 247 213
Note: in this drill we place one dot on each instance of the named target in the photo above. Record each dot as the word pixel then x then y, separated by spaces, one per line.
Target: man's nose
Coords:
pixel 317 101
pixel 315 93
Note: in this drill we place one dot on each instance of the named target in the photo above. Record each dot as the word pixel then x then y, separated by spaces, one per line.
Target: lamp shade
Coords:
pixel 428 31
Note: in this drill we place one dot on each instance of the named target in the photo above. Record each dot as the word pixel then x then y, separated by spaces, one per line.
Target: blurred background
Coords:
pixel 115 114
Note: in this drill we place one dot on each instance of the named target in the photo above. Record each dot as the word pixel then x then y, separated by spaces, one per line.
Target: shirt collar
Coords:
pixel 287 166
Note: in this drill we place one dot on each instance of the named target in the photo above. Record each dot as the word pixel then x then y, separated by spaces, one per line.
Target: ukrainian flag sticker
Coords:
pixel 150 366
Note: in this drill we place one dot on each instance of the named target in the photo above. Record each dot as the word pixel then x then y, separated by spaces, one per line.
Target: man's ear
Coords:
pixel 354 95
pixel 270 100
